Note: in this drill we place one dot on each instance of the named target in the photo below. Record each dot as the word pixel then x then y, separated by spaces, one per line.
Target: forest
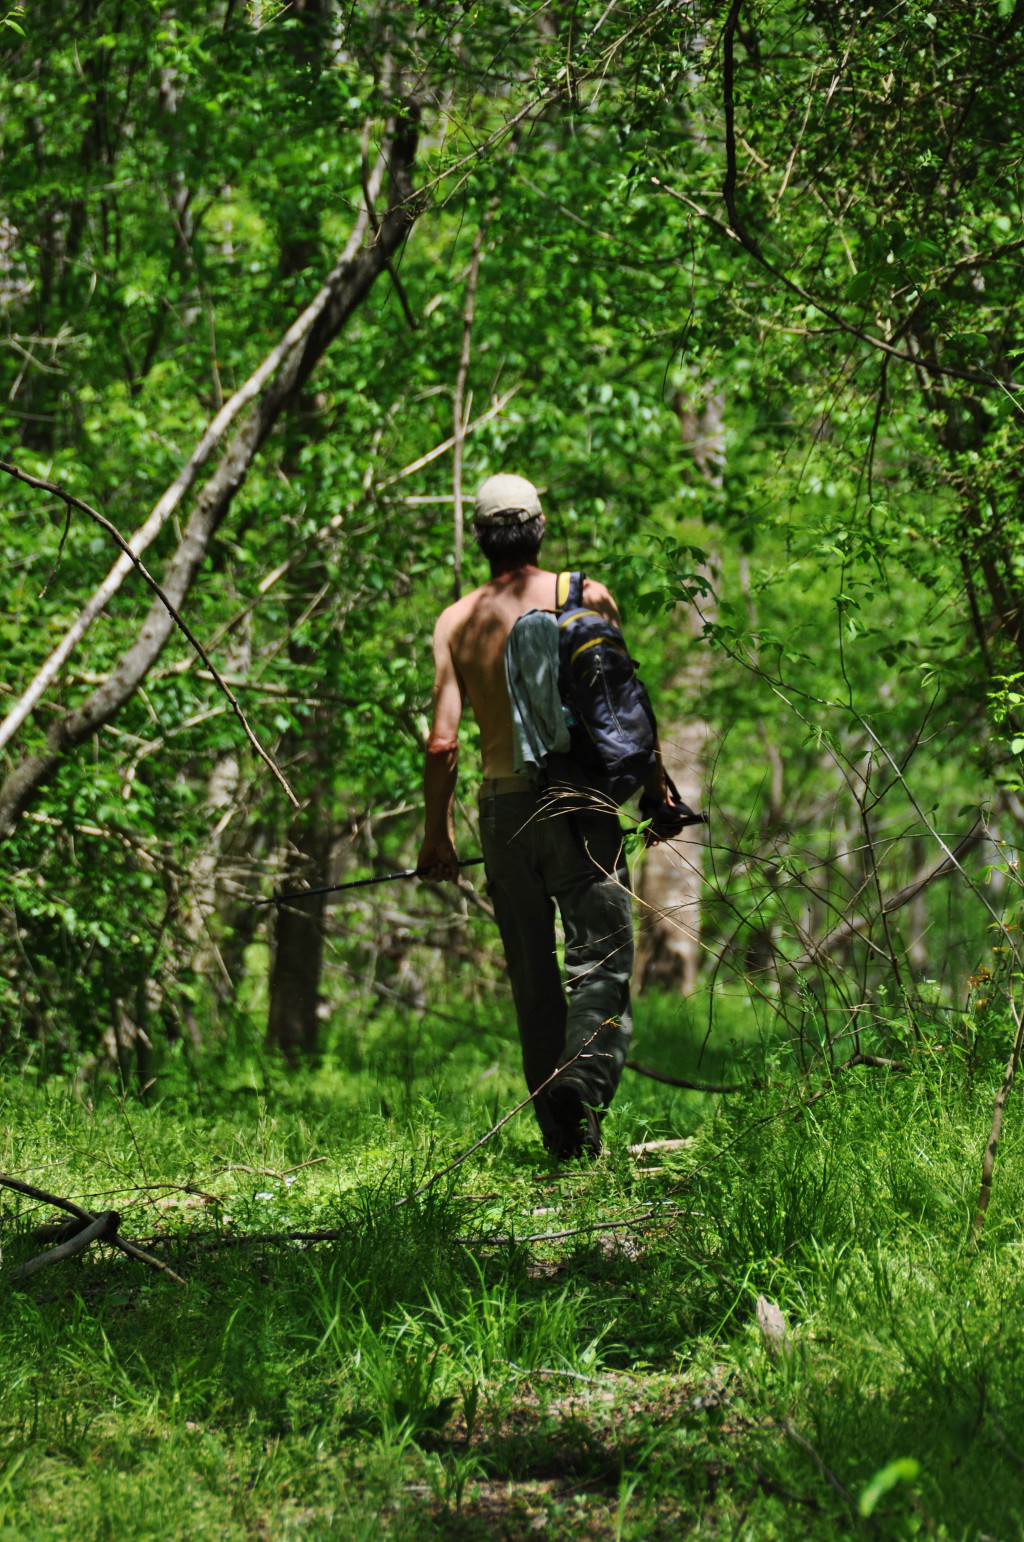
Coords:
pixel 739 286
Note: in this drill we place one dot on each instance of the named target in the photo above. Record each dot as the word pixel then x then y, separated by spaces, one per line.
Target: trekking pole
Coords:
pixel 358 883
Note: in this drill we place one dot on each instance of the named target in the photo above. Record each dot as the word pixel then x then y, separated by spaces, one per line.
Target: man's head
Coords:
pixel 508 522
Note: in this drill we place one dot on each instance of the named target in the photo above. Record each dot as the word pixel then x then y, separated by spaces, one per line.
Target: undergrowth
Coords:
pixel 444 1367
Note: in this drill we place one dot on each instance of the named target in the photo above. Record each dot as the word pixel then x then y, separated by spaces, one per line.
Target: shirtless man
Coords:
pixel 534 858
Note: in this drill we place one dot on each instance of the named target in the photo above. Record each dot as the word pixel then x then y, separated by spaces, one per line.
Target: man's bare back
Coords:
pixel 469 652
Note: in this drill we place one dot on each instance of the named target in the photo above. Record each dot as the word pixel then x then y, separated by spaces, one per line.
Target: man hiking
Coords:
pixel 536 854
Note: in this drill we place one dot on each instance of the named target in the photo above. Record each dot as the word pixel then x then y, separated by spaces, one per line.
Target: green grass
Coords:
pixel 415 1379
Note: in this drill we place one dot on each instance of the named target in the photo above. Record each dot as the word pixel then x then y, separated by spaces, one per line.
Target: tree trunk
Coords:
pixel 293 1024
pixel 668 945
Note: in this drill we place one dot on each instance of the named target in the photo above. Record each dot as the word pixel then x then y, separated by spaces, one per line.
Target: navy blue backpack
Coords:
pixel 611 723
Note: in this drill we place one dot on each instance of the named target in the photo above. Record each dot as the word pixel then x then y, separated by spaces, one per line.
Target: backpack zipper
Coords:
pixel 608 699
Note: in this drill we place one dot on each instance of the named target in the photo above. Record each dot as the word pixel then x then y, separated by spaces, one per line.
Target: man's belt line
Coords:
pixel 496 786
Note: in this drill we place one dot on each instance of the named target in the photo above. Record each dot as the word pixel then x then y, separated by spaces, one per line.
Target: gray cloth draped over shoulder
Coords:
pixel 539 728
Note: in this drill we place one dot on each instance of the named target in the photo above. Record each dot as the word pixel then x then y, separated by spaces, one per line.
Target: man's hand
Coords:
pixel 438 859
pixel 668 814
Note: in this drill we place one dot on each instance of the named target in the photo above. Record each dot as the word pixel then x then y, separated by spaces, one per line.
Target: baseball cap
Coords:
pixel 506 500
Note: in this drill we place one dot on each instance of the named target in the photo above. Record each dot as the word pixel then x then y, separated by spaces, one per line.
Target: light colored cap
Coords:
pixel 506 500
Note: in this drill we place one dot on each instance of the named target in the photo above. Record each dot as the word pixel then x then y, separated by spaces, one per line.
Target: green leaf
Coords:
pixel 918 246
pixel 650 601
pixel 905 1470
pixel 861 284
pixel 968 341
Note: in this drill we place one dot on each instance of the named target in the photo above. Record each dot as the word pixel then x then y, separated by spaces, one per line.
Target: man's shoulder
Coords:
pixel 457 611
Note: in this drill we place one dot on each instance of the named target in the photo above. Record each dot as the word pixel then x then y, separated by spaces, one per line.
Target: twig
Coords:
pixel 268 1172
pixel 440 449
pixel 645 1218
pixel 823 1467
pixel 769 1486
pixel 369 196
pixel 176 617
pixel 475 899
pixel 644 1146
pixel 444 1171
pixel 134 1251
pixel 852 926
pixel 878 1061
pixel 60 551
pixel 678 1081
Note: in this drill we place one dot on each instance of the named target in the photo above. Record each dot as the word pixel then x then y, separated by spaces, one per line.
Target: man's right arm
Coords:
pixel 438 858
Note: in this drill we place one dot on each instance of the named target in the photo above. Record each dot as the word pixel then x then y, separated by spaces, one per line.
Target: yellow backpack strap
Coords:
pixel 562 589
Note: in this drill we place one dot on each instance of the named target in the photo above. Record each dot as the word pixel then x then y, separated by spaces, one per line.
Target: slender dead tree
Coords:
pixel 358 266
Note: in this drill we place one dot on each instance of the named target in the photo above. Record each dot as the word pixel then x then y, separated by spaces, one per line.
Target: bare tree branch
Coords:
pixel 855 926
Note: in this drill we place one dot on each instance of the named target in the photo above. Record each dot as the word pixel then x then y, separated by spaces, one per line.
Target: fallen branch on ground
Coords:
pixel 336 1234
pixel 644 1218
pixel 661 1145
pixel 103 1227
pixel 878 1061
pixel 91 1232
pixel 794 1434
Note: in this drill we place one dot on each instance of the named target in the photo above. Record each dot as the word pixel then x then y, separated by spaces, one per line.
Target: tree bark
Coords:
pixel 293 1023
pixel 349 284
pixel 672 878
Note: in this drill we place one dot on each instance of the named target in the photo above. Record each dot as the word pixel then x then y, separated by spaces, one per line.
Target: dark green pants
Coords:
pixel 534 860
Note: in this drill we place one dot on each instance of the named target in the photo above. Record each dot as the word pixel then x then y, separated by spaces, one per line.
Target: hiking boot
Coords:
pixel 579 1128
